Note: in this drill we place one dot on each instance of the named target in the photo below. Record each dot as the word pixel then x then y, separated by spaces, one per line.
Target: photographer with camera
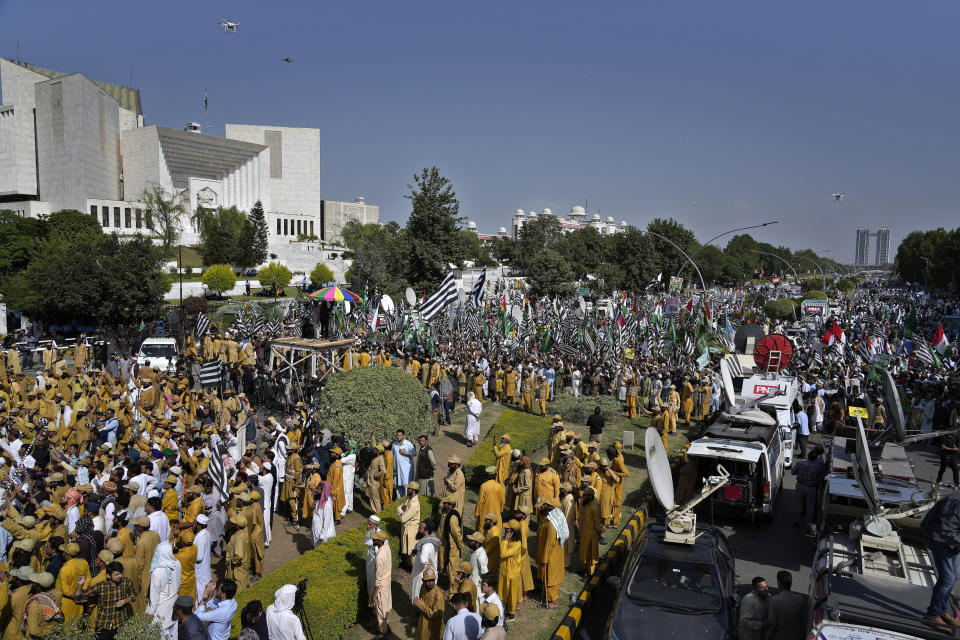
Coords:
pixel 282 622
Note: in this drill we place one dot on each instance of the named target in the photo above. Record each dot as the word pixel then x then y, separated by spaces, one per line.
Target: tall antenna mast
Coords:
pixel 204 129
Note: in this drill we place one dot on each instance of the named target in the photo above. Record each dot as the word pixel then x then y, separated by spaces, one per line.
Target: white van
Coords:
pixel 161 352
pixel 750 446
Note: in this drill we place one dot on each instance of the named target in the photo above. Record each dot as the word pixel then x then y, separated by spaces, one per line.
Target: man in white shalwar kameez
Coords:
pixel 282 622
pixel 424 555
pixel 373 525
pixel 201 541
pixel 403 455
pixel 349 461
pixel 265 480
pixel 164 588
pixel 474 407
pixel 323 524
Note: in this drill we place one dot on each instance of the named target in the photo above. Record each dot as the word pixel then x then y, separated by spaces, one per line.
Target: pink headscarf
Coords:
pixel 325 491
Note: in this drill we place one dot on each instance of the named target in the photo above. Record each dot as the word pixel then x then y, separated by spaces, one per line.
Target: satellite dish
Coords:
pixel 863 469
pixel 386 304
pixel 764 352
pixel 411 297
pixel 658 467
pixel 746 331
pixel 346 306
pixel 893 401
pixel 757 417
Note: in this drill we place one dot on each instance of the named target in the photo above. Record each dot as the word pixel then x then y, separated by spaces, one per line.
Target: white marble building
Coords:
pixel 68 142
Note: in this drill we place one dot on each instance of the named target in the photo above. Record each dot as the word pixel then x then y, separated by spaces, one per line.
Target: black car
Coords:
pixel 670 590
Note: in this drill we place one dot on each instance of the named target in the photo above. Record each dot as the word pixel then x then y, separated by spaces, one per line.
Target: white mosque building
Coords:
pixel 577 219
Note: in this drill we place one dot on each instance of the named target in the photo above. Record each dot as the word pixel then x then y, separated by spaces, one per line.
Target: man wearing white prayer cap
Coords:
pixel 201 540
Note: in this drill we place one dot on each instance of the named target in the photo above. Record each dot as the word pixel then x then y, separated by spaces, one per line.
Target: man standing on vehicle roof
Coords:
pixel 941 529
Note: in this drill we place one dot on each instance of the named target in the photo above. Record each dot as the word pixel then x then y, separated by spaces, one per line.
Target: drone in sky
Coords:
pixel 286 60
pixel 838 196
pixel 229 26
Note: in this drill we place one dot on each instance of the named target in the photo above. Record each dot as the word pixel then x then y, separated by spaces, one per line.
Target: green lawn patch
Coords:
pixel 527 433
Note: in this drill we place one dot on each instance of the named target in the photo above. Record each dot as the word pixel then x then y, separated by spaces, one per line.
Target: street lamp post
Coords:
pixel 816 264
pixel 677 247
pixel 767 253
pixel 704 245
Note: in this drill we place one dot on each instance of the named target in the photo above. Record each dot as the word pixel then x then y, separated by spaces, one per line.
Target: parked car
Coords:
pixel 161 352
pixel 676 590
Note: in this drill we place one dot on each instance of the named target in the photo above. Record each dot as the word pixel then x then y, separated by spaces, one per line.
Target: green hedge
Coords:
pixel 386 398
pixel 527 433
pixel 336 574
pixel 577 410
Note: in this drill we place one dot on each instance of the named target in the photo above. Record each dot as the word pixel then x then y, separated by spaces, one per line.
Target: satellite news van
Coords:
pixel 869 580
pixel 753 439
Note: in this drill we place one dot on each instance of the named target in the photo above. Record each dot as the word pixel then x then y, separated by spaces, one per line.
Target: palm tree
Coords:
pixel 163 215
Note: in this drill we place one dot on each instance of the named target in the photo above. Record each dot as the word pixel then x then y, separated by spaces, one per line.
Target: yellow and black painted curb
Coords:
pixel 631 534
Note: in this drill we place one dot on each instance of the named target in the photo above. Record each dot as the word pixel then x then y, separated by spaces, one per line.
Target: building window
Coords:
pixel 278 226
pixel 285 227
pixel 148 219
pixel 93 210
pixel 299 231
pixel 311 227
pixel 105 213
pixel 116 217
pixel 127 218
pixel 139 218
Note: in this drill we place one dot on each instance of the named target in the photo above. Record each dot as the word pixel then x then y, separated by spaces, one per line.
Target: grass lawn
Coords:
pixel 533 622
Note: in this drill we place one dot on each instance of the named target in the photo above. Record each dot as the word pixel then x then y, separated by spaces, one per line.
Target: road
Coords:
pixel 767 548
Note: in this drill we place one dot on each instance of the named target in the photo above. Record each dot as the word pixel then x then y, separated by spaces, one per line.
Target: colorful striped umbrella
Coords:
pixel 334 294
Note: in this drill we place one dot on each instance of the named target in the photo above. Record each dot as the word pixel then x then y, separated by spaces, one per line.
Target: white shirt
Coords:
pixel 145 482
pixel 160 523
pixel 493 598
pixel 73 514
pixel 463 626
pixel 202 566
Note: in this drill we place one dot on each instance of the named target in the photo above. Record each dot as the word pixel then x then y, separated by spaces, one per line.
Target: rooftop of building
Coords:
pixel 128 97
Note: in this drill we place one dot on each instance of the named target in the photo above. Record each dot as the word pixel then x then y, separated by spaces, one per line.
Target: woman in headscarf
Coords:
pixel 164 588
pixel 323 523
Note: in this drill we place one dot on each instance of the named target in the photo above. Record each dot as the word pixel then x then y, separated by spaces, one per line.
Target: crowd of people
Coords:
pixel 127 489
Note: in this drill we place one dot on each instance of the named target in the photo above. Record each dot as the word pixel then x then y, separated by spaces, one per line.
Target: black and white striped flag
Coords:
pixel 733 365
pixel 213 373
pixel 476 296
pixel 216 470
pixel 203 323
pixel 446 294
pixel 923 353
pixel 687 345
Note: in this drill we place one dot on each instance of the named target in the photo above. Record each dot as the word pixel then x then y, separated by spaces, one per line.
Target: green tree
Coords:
pixel 321 274
pixel 536 235
pixel 274 272
pixel 631 263
pixel 586 249
pixel 261 234
pixel 432 229
pixel 82 274
pixel 227 237
pixel 219 278
pixel 472 249
pixel 162 213
pixel 669 260
pixel 379 255
pixel 550 275
pixel 19 239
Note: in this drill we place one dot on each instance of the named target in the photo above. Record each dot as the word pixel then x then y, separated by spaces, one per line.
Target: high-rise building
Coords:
pixel 862 252
pixel 883 246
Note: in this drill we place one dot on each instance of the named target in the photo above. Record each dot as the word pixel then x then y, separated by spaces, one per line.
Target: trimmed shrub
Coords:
pixel 527 433
pixel 385 398
pixel 219 278
pixel 320 274
pixel 274 269
pixel 336 576
pixel 195 304
pixel 577 410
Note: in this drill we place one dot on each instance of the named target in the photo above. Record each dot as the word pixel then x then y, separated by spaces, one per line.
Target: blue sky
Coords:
pixel 755 110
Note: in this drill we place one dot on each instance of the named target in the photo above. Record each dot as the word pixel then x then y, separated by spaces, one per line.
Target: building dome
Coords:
pixel 596 217
pixel 471 226
pixel 547 212
pixel 610 220
pixel 532 214
pixel 623 224
pixel 577 211
pixel 518 213
pixel 502 231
